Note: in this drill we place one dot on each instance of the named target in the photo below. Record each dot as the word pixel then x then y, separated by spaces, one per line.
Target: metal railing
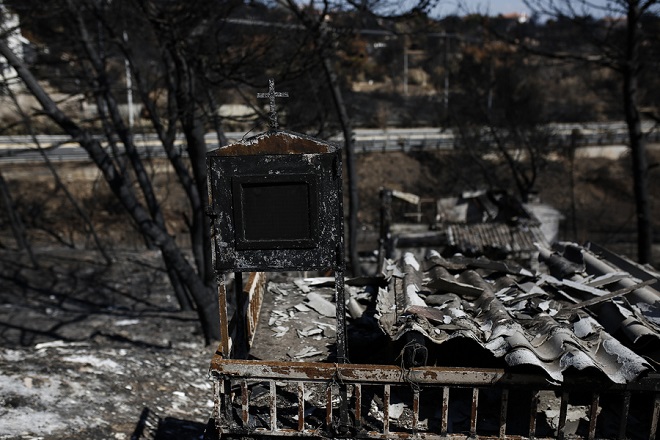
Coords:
pixel 259 398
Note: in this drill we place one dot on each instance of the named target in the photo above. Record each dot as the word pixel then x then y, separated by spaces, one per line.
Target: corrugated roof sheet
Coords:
pixel 481 237
pixel 527 319
pixel 591 272
pixel 489 223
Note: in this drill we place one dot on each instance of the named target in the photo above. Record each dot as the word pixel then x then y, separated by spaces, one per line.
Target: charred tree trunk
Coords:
pixel 15 222
pixel 631 68
pixel 193 129
pixel 622 55
pixel 114 123
pixel 203 295
pixel 353 200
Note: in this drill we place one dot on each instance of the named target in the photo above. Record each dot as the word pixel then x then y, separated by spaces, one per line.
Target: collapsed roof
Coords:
pixel 593 311
pixel 495 223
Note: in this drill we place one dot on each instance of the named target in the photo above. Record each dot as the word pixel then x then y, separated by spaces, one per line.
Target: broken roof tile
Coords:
pixel 526 319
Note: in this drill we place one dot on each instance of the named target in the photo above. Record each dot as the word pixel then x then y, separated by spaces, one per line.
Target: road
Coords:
pixel 15 149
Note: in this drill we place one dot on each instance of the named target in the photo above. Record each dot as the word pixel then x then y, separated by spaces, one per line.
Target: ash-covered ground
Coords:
pixel 89 351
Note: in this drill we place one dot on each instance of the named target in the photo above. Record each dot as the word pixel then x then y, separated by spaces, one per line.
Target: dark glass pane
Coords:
pixel 276 211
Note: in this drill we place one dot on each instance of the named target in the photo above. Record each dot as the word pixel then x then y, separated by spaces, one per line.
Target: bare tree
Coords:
pixel 498 118
pixel 93 36
pixel 27 122
pixel 326 38
pixel 178 57
pixel 615 43
pixel 314 23
pixel 16 222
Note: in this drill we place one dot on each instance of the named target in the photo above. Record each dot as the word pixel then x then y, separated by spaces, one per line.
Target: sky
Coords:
pixel 490 7
pixel 505 6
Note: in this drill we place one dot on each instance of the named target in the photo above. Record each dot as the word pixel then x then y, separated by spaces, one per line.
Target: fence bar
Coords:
pixel 504 405
pixel 301 406
pixel 625 408
pixel 655 417
pixel 473 413
pixel 563 412
pixel 273 406
pixel 357 393
pixel 216 401
pixel 386 409
pixel 226 398
pixel 593 415
pixel 328 407
pixel 445 410
pixel 245 400
pixel 222 305
pixel 415 420
pixel 532 413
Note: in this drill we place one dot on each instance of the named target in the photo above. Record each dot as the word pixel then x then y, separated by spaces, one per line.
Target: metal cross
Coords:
pixel 271 95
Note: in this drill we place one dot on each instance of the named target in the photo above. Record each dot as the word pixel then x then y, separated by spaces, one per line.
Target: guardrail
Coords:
pixel 59 148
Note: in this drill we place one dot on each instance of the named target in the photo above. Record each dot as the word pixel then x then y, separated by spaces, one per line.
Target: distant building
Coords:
pixel 494 224
pixel 520 17
pixel 10 26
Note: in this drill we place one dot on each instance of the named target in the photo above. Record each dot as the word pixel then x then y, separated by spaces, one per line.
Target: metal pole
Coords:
pixel 405 71
pixel 129 87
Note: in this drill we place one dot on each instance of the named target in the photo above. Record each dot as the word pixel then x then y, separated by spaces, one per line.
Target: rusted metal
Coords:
pixel 328 406
pixel 240 321
pixel 386 409
pixel 415 410
pixel 340 301
pixel 226 402
pixel 254 290
pixel 357 395
pixel 655 417
pixel 367 373
pixel 301 406
pixel 274 143
pixel 388 430
pixel 625 408
pixel 563 412
pixel 593 415
pixel 504 405
pixel 271 95
pixel 245 401
pixel 282 176
pixel 445 411
pixel 343 427
pixel 372 373
pixel 273 406
pixel 222 305
pixel 388 378
pixel 216 384
pixel 473 412
pixel 534 401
